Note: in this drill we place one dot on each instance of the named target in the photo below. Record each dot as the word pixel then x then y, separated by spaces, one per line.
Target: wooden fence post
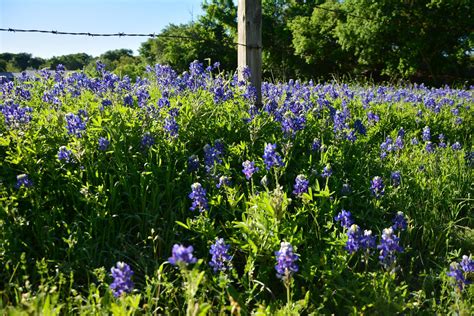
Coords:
pixel 249 51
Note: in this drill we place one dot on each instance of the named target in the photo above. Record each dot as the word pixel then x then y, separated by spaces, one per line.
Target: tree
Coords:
pixel 425 38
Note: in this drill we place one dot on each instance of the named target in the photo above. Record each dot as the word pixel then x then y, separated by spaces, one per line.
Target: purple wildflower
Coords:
pixel 220 258
pixel 103 143
pixel 316 145
pixel 147 140
pixel 64 154
pixel 345 218
pixel 377 187
pixel 396 178
pixel 22 180
pixel 399 222
pixel 271 157
pixel 426 135
pixel 327 171
pixel 198 195
pixel 212 155
pixel 193 163
pixel 367 241
pixel 249 169
pixel 388 247
pixel 286 261
pixel 224 181
pixel 122 283
pixel 75 124
pixel 467 264
pixel 353 238
pixel 346 189
pixel 429 147
pixel 171 126
pixel 458 275
pixel 301 185
pixel 181 255
pixel 456 146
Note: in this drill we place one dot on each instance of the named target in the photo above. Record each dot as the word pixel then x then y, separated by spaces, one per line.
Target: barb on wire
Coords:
pixel 121 34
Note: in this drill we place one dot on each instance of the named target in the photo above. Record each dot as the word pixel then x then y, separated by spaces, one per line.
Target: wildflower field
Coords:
pixel 175 194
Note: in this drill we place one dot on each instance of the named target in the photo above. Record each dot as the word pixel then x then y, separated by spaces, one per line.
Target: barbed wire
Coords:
pixel 120 34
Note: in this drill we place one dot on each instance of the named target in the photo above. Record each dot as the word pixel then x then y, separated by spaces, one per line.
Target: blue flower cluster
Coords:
pixel 389 247
pixel 286 261
pixel 271 158
pixel 249 169
pixel 103 143
pixel 198 196
pixel 22 180
pixel 65 154
pixel 122 275
pixel 181 255
pixel 76 124
pixel 458 271
pixel 301 185
pixel 220 258
pixel 213 155
pixel 377 187
pixel 15 116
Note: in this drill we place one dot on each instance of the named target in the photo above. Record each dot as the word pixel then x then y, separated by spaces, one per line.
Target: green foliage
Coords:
pixel 59 237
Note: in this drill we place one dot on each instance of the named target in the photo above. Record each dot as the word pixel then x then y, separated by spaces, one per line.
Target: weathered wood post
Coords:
pixel 249 49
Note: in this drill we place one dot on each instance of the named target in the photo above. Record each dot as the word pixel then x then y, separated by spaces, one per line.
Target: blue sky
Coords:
pixel 100 16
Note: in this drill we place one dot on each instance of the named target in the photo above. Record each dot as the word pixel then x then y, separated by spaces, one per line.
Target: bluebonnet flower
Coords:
pixel 345 218
pixel 388 247
pixel 353 238
pixel 457 273
pixel 429 147
pixel 249 169
pixel 316 145
pixel 372 117
pixel 396 178
pixel 65 154
pixel 220 258
pixel 377 187
pixel 467 264
pixel 99 66
pixel 103 143
pixel 401 133
pixel 456 146
pixel 128 100
pixel 193 163
pixel 399 222
pixel 271 157
pixel 399 143
pixel 122 275
pixel 224 181
pixel 367 241
pixel 198 196
pixel 458 121
pixel 181 255
pixel 414 141
pixel 171 126
pixel 106 102
pixel 286 261
pixel 212 155
pixel 301 185
pixel 426 134
pixel 441 144
pixel 147 140
pixel 327 171
pixel 15 116
pixel 22 180
pixel 75 124
pixel 359 127
pixel 351 136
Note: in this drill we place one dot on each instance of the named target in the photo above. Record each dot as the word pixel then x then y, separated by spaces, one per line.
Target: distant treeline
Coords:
pixel 120 61
pixel 426 40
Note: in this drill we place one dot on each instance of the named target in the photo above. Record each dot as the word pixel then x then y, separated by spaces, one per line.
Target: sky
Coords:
pixel 94 16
